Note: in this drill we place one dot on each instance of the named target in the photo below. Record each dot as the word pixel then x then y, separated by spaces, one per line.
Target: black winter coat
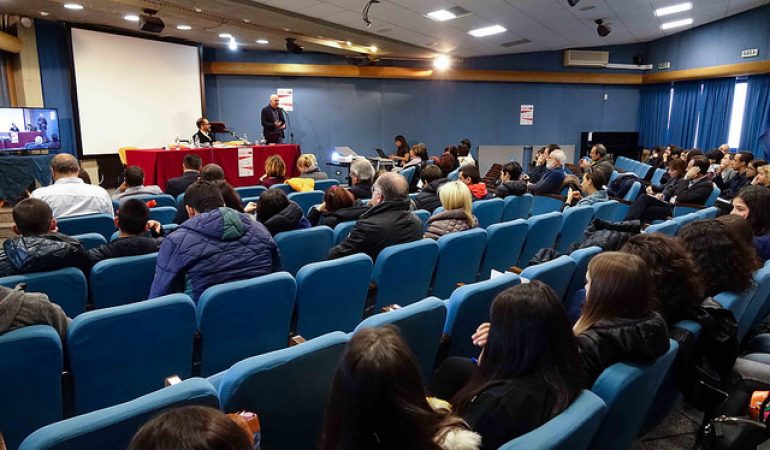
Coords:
pixel 128 246
pixel 608 235
pixel 361 190
pixel 42 253
pixel 427 199
pixel 514 187
pixel 332 219
pixel 288 219
pixel 698 193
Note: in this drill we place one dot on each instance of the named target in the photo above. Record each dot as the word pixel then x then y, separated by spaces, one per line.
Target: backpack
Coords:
pixel 619 186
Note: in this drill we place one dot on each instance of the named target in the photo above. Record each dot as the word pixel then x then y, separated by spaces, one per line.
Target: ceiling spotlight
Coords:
pixel 44 13
pixel 131 17
pixel 245 20
pixel 73 6
pixel 225 35
pixel 183 27
pixel 232 45
pixel 293 47
pixel 573 2
pixel 348 43
pixel 602 29
pixel 198 10
pixel 373 48
pixel 442 62
pixel 262 41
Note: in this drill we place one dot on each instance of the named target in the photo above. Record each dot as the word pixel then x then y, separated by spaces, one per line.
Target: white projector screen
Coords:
pixel 133 91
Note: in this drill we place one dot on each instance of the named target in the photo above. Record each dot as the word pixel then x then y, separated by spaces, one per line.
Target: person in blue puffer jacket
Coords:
pixel 216 245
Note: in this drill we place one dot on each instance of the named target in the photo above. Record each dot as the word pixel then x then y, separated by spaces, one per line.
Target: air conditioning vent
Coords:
pixel 585 58
pixel 515 43
pixel 458 11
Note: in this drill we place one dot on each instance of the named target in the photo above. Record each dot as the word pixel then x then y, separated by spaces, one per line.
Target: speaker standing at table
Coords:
pixel 203 136
pixel 273 122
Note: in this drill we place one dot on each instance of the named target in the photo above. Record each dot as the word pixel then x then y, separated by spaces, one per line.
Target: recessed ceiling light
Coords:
pixel 73 6
pixel 442 15
pixel 487 31
pixel 232 45
pixel 673 9
pixel 373 48
pixel 262 41
pixel 349 43
pixel 44 13
pixel 225 35
pixel 676 24
pixel 442 62
pixel 183 27
pixel 131 17
pixel 198 10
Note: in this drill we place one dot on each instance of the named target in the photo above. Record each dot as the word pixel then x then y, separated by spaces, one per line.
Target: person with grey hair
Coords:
pixel 361 175
pixel 551 181
pixel 70 195
pixel 273 121
pixel 388 222
pixel 600 161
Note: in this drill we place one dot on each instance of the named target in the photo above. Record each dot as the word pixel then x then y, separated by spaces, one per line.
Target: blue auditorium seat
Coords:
pixel 657 176
pixel 543 204
pixel 305 246
pixel 581 257
pixel 180 200
pixel 574 222
pixel 103 224
pixel 284 187
pixel 163 214
pixel 488 212
pixel 541 233
pixel 517 207
pixel 408 173
pixel 708 213
pixel 423 215
pixel 504 243
pixel 556 273
pixel 160 199
pixel 759 307
pixel 605 210
pixel 119 353
pixel 459 258
pixel 307 200
pixel 119 281
pixel 393 284
pixel 288 388
pixel 667 227
pixel 323 185
pixel 737 302
pixel 90 240
pixel 65 287
pixel 685 219
pixel 454 175
pixel 342 230
pixel 331 295
pixel 633 192
pixel 250 191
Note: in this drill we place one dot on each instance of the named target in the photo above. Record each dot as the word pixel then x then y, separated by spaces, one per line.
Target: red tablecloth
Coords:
pixel 161 165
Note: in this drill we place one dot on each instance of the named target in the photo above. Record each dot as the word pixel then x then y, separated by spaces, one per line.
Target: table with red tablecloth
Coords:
pixel 161 165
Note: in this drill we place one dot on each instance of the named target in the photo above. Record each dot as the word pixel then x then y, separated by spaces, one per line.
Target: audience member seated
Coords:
pixel 338 206
pixel 378 401
pixel 418 158
pixel 19 309
pixel 278 214
pixel 69 195
pixel 457 214
pixel 753 204
pixel 618 322
pixel 192 428
pixel 725 169
pixel 600 161
pixel 191 166
pixel 472 178
pixel 134 185
pixel 275 171
pixel 538 168
pixel 513 389
pixel 212 172
pixel 387 222
pixel 432 179
pixel 550 181
pixel 447 162
pixel 741 162
pixel 715 158
pixel 510 181
pixel 763 176
pixel 215 174
pixel 134 222
pixel 216 245
pixel 83 175
pixel 675 171
pixel 676 283
pixel 740 231
pixel 308 167
pixel 725 263
pixel 593 189
pixel 695 188
pixel 656 157
pixel 361 175
pixel 40 247
pixel 464 157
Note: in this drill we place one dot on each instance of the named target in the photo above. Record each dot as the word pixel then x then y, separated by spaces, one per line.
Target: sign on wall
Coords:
pixel 286 99
pixel 245 162
pixel 527 116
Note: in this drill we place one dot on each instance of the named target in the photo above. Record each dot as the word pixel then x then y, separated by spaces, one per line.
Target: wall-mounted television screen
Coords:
pixel 29 129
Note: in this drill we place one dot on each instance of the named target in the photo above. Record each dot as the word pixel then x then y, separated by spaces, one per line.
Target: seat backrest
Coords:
pixel 708 213
pixel 408 173
pixel 581 257
pixel 120 353
pixel 605 210
pixel 517 207
pixel 657 176
pixel 250 191
pixel 574 222
pixel 423 215
pixel 624 384
pixel 572 429
pixel 119 281
pixel 541 233
pixel 488 212
pixel 459 258
pixel 160 199
pixel 307 200
pixel 342 230
pixel 90 240
pixel 31 363
pixel 715 191
pixel 163 214
pixel 760 304
pixel 737 302
pixel 331 295
pixel 454 175
pixel 304 246
pixel 284 187
pixel 685 219
pixel 542 204
pixel 114 427
pixel 289 388
pixel 556 273
pixel 180 200
pixel 103 224
pixel 468 307
pixel 388 272
pixel 244 318
pixel 633 192
pixel 667 227
pixel 323 185
pixel 66 287
pixel 421 324
pixel 504 243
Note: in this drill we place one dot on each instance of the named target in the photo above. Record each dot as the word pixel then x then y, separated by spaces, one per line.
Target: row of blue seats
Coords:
pixel 640 169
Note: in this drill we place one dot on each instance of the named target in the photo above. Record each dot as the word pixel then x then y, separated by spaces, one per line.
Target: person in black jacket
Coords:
pixel 741 163
pixel 191 165
pixel 273 121
pixel 278 214
pixel 361 176
pixel 427 198
pixel 203 136
pixel 617 322
pixel 40 247
pixel 387 222
pixel 510 182
pixel 338 206
pixel 133 223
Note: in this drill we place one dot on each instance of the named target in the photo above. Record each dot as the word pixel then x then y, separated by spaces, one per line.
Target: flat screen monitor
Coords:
pixel 29 129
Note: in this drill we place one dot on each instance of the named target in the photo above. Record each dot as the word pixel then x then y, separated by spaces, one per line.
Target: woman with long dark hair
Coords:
pixel 378 401
pixel 402 150
pixel 753 204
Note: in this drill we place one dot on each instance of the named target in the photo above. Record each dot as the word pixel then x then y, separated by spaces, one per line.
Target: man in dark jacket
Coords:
pixel 740 165
pixel 20 309
pixel 216 245
pixel 387 223
pixel 191 166
pixel 39 248
pixel 427 198
pixel 273 121
pixel 133 223
pixel 550 183
pixel 600 161
pixel 361 176
pixel 510 182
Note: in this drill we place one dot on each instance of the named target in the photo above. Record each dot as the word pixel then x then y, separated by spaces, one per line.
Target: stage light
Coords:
pixel 442 62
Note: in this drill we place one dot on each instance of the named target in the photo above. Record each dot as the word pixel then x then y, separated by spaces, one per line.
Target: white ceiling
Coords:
pixel 399 27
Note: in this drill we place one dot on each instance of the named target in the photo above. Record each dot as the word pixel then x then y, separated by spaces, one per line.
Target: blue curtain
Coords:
pixel 715 106
pixel 684 114
pixel 653 115
pixel 755 134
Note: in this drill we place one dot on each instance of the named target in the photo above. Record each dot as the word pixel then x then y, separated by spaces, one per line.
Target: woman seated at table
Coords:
pixel 275 171
pixel 308 167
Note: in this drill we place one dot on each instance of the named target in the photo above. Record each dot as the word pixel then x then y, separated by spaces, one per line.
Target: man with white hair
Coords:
pixel 273 122
pixel 361 176
pixel 550 183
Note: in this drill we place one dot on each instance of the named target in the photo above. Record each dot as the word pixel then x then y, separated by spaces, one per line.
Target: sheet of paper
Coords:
pixel 286 99
pixel 527 115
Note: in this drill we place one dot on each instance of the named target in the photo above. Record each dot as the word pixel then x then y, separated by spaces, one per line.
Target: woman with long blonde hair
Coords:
pixel 458 215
